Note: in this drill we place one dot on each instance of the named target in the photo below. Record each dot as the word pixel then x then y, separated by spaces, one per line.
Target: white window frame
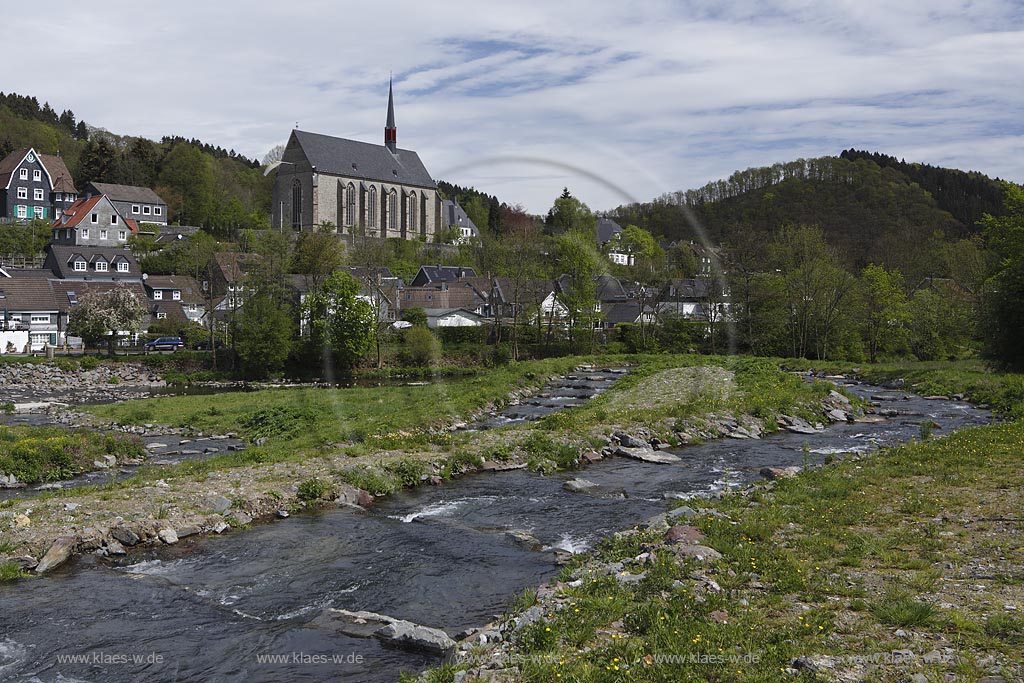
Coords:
pixel 135 208
pixel 23 175
pixel 37 194
pixel 122 235
pixel 161 315
pixel 122 266
pixel 22 211
pixel 56 197
pixel 176 295
pixel 38 211
pixel 80 266
pixel 145 211
pixel 157 211
pixel 41 319
pixel 158 295
pixel 85 233
pixel 22 193
pixel 101 266
pixel 37 175
pixel 103 234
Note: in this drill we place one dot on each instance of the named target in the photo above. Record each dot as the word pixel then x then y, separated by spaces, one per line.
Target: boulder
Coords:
pixel 168 536
pixel 410 636
pixel 350 495
pixel 125 535
pixel 838 415
pixel 629 441
pixel 779 472
pixel 646 455
pixel 698 552
pixel 685 512
pixel 58 554
pixel 683 533
pixel 218 504
pixel 524 538
pixel 579 485
pixel 186 531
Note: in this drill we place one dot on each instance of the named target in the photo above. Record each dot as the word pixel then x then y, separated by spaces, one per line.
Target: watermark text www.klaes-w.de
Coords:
pixel 307 658
pixel 111 658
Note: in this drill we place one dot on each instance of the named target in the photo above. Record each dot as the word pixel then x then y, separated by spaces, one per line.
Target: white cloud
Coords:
pixel 650 97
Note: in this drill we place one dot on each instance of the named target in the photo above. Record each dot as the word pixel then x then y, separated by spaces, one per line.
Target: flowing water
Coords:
pixel 219 608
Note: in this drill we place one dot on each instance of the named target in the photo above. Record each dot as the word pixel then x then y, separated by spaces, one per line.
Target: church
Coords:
pixel 358 187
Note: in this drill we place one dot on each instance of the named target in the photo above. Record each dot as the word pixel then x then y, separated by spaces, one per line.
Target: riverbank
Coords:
pixel 900 565
pixel 344 446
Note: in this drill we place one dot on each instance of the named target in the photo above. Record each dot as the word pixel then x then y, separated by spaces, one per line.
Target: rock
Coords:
pixel 592 456
pixel 804 664
pixel 22 521
pixel 435 480
pixel 492 466
pixel 685 512
pixel 524 538
pixel 698 552
pixel 115 548
pixel 218 504
pixel 779 472
pixel 283 514
pixel 410 636
pixel 154 446
pixel 579 485
pixel 71 507
pixel 646 455
pixel 241 517
pixel 125 536
pixel 221 527
pixel 58 553
pixel 683 534
pixel 168 536
pixel 186 531
pixel 918 678
pixel 561 557
pixel 629 441
pixel 350 495
pixel 838 415
pixel 720 616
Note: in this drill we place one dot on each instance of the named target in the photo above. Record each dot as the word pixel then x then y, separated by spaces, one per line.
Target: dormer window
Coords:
pixel 158 295
pixel 57 197
pixel 176 295
pixel 101 266
pixel 122 266
pixel 79 266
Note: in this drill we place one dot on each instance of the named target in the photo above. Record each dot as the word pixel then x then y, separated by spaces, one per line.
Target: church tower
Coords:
pixel 390 132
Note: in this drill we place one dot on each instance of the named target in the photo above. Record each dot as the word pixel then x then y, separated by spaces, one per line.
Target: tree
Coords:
pixel 341 322
pixel 517 255
pixel 317 254
pixel 1002 323
pixel 188 175
pixel 577 258
pixel 477 209
pixel 884 311
pixel 264 333
pixel 571 215
pixel 107 315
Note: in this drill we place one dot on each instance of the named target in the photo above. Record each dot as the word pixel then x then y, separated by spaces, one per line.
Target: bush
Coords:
pixel 277 422
pixel 462 335
pixel 409 472
pixel 312 489
pixel 421 347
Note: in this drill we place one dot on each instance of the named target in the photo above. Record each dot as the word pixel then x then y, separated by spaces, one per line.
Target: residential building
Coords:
pixel 34 186
pixel 92 263
pixel 454 217
pixel 31 315
pixel 175 297
pixel 361 188
pixel 436 275
pixel 139 204
pixel 93 221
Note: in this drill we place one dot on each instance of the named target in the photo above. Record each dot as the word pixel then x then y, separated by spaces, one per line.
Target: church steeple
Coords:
pixel 390 131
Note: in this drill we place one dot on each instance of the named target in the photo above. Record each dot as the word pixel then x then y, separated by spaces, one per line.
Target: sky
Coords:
pixel 619 102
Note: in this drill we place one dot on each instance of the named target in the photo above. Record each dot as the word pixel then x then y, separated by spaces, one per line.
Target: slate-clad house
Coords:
pixel 90 263
pixel 29 310
pixel 93 221
pixel 34 186
pixel 454 216
pixel 139 204
pixel 437 275
pixel 174 297
pixel 362 188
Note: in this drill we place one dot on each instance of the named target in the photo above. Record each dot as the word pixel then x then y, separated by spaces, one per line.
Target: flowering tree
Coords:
pixel 106 315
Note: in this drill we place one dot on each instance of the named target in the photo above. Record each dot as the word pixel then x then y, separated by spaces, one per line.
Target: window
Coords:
pixel 79 266
pixel 22 193
pixel 37 175
pixel 122 235
pixel 103 234
pixel 371 210
pixel 393 211
pixel 122 266
pixel 158 295
pixel 411 211
pixel 350 208
pixel 39 211
pixel 23 175
pixel 161 315
pixel 41 318
pixel 113 219
pixel 135 208
pixel 95 218
pixel 22 211
pixel 145 211
pixel 101 266
pixel 37 194
pixel 85 233
pixel 157 211
pixel 56 197
pixel 176 295
pixel 296 205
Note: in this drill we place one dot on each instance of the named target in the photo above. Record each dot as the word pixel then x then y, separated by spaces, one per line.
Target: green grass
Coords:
pixel 40 454
pixel 9 571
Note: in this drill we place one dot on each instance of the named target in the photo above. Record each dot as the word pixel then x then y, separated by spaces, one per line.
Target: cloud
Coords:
pixel 647 97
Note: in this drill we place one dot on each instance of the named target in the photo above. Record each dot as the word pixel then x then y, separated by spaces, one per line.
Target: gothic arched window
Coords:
pixel 371 209
pixel 296 205
pixel 393 211
pixel 411 212
pixel 350 204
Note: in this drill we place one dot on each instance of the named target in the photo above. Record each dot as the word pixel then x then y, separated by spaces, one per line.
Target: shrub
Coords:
pixel 409 472
pixel 277 422
pixel 369 478
pixel 312 489
pixel 421 347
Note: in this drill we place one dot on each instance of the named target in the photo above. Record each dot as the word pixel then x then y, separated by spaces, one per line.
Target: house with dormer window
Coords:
pixel 84 262
pixel 34 186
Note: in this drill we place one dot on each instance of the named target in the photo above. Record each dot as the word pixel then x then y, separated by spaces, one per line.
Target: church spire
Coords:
pixel 390 131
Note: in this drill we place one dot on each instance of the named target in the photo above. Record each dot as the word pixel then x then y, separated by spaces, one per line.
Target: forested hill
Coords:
pixel 872 213
pixel 201 183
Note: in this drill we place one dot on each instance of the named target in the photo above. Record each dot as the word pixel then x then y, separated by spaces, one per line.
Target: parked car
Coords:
pixel 164 344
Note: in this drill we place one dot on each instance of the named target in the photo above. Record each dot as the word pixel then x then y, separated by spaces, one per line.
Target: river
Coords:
pixel 217 609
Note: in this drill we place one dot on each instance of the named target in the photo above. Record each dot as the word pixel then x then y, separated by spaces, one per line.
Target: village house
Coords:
pixel 34 186
pixel 360 188
pixel 139 204
pixel 455 218
pixel 93 221
pixel 177 298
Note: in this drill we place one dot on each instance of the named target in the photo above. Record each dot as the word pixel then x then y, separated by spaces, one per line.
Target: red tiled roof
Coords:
pixel 76 213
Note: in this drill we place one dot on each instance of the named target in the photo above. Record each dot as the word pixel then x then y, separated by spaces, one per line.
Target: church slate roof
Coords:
pixel 354 159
